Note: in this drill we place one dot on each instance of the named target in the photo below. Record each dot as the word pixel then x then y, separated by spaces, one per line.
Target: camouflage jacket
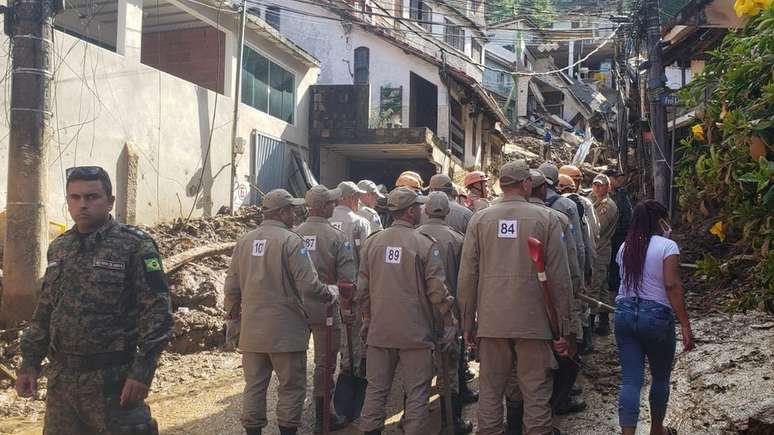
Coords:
pixel 102 292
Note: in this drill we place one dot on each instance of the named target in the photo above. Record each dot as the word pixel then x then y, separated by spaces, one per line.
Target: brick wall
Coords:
pixel 195 55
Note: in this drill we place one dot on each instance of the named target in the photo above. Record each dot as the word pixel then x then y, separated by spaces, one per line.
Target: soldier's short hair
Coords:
pixel 90 173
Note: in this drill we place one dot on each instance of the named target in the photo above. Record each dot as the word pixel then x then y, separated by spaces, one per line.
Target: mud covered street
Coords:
pixel 716 389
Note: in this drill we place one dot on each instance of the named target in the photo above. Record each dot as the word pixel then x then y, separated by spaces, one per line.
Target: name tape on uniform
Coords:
pixel 310 242
pixel 259 248
pixel 507 229
pixel 336 225
pixel 392 255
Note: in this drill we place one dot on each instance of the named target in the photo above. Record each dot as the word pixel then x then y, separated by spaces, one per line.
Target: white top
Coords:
pixel 652 287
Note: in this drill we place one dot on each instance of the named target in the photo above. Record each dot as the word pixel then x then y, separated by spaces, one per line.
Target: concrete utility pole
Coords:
pixel 623 112
pixel 662 149
pixel 24 258
pixel 237 101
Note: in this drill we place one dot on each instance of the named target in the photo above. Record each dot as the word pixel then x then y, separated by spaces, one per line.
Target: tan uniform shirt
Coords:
pixel 607 215
pixel 498 284
pixel 449 241
pixel 331 254
pixel 354 226
pixel 270 272
pixel 373 218
pixel 401 282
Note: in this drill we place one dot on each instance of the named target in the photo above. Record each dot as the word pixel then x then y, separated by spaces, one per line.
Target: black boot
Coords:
pixel 570 406
pixel 588 341
pixel 514 417
pixel 288 430
pixel 373 432
pixel 337 422
pixel 604 325
pixel 256 431
pixel 461 426
pixel 467 394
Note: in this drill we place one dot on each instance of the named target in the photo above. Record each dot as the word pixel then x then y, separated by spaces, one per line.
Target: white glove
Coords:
pixel 333 291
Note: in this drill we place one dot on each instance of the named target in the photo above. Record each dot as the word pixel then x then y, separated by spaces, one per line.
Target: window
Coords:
pixel 420 11
pixel 362 59
pixel 273 17
pixel 457 140
pixel 475 51
pixel 453 35
pixel 267 86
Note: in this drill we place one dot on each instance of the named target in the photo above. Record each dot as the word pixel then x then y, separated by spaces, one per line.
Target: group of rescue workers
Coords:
pixel 427 274
pixel 419 278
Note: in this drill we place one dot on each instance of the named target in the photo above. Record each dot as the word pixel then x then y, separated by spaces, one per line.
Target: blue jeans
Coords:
pixel 644 328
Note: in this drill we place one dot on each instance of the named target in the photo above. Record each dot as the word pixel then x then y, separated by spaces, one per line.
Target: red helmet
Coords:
pixel 475 177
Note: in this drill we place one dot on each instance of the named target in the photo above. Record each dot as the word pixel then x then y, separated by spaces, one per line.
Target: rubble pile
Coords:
pixel 196 288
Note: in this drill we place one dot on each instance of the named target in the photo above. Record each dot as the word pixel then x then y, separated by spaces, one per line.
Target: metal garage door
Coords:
pixel 270 163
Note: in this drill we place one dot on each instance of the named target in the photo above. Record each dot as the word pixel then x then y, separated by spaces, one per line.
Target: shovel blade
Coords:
pixel 349 395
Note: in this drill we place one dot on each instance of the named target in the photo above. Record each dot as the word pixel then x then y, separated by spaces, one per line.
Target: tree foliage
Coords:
pixel 541 12
pixel 726 173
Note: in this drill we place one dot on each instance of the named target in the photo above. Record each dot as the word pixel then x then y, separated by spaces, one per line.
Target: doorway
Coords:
pixel 423 104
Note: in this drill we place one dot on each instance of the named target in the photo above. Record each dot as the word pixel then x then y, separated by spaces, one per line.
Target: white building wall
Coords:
pixel 102 100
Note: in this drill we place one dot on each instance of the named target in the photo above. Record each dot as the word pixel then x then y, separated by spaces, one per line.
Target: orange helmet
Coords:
pixel 409 179
pixel 565 182
pixel 571 171
pixel 475 177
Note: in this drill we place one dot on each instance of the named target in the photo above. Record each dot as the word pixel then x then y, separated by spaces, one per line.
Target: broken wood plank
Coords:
pixel 176 261
pixel 8 373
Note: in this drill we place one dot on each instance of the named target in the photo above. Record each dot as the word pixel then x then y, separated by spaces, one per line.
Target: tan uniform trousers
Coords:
pixel 534 363
pixel 357 344
pixel 452 357
pixel 291 374
pixel 599 283
pixel 318 335
pixel 416 367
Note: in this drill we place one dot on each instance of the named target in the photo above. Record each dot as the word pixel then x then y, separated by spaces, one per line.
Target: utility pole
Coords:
pixel 237 101
pixel 621 80
pixel 662 149
pixel 24 256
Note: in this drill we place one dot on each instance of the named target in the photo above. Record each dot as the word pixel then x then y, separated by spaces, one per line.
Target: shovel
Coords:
pixel 350 389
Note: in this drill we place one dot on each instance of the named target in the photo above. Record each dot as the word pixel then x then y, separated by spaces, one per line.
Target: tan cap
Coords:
pixel 279 198
pixel 441 181
pixel 538 179
pixel 437 204
pixel 403 197
pixel 551 172
pixel 317 196
pixel 369 186
pixel 601 179
pixel 349 188
pixel 514 172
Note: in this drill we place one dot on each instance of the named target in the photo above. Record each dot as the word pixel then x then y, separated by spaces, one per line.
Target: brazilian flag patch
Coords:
pixel 152 264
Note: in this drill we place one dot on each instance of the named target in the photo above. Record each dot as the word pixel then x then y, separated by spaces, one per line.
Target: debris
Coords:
pixel 5 371
pixel 176 261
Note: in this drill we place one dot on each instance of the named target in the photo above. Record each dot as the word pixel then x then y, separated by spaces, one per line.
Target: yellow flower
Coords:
pixel 719 230
pixel 750 7
pixel 698 132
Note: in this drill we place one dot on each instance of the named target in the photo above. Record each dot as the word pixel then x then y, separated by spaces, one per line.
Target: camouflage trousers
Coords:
pixel 358 351
pixel 81 403
pixel 599 278
pixel 452 357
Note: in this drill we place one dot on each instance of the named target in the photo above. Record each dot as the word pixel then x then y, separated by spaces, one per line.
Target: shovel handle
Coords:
pixel 327 371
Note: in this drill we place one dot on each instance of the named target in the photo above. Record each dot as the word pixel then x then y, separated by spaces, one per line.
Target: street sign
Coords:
pixel 670 100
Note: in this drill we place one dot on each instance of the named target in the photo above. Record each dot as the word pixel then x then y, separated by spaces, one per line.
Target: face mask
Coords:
pixel 665 228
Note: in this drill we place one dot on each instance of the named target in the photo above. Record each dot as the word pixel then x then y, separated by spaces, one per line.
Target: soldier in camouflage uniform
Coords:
pixel 102 319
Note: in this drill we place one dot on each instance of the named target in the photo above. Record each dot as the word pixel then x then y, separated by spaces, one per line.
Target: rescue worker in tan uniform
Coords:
pixel 563 401
pixel 401 284
pixel 357 230
pixel 478 190
pixel 607 214
pixel 459 215
pixel 269 275
pixel 331 254
pixel 368 201
pixel 449 242
pixel 501 302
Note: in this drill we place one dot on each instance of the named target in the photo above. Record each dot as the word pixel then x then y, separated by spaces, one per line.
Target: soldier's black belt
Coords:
pixel 97 361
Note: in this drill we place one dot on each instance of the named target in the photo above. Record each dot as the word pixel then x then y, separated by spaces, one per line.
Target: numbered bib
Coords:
pixel 310 242
pixel 259 248
pixel 507 229
pixel 392 255
pixel 336 225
